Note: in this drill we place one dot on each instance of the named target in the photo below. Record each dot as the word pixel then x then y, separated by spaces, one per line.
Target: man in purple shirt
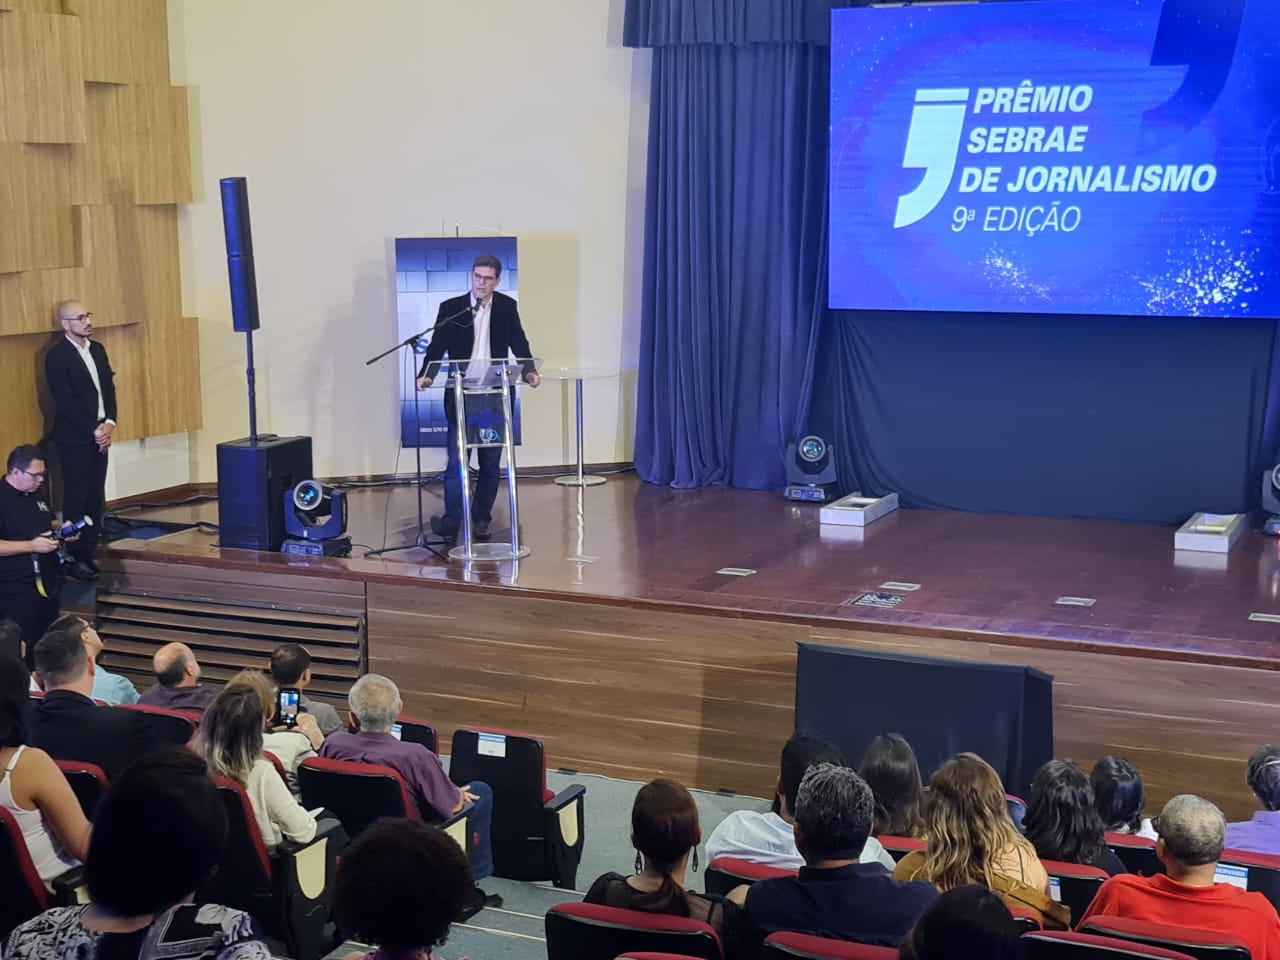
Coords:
pixel 375 703
pixel 1262 833
pixel 177 685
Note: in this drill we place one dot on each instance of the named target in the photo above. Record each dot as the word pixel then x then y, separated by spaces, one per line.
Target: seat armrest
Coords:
pixel 325 830
pixel 455 825
pixel 70 888
pixel 565 797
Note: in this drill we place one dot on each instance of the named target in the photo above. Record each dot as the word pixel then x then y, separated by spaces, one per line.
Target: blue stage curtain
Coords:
pixel 734 243
pixel 1141 419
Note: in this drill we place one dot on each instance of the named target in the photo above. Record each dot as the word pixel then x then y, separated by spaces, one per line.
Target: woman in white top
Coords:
pixel 231 739
pixel 32 788
pixel 1119 798
pixel 288 744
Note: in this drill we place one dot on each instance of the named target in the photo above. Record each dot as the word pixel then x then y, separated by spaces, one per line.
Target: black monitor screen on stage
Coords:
pixel 1117 157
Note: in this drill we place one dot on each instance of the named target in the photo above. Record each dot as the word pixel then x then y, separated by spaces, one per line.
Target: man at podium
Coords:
pixel 475 327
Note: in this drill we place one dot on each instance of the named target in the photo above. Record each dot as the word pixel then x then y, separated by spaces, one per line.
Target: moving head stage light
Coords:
pixel 315 517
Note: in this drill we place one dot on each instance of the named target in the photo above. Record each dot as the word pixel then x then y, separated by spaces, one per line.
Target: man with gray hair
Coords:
pixel 834 895
pixel 375 703
pixel 1262 833
pixel 1192 832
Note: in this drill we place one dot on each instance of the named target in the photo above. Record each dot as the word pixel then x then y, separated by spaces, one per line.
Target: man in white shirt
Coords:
pixel 769 838
pixel 82 384
pixel 476 327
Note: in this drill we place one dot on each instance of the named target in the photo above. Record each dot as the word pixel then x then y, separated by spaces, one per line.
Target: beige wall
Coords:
pixel 357 122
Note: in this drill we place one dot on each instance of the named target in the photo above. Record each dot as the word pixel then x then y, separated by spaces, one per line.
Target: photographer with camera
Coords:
pixel 30 555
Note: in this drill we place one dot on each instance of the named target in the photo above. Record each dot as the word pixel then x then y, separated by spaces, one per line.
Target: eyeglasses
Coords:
pixel 484 278
pixel 80 319
pixel 33 476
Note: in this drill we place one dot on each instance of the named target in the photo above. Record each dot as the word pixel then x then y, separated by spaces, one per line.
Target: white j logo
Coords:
pixel 932 144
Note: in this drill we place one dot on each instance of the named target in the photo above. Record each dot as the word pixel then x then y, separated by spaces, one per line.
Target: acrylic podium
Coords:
pixel 483 405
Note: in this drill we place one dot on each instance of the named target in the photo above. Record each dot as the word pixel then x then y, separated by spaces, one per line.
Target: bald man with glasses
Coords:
pixel 82 384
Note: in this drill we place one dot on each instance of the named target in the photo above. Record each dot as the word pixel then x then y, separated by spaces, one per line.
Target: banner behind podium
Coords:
pixel 430 270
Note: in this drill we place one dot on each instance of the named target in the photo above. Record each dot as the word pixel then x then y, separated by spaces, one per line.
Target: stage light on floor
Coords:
pixel 811 470
pixel 315 517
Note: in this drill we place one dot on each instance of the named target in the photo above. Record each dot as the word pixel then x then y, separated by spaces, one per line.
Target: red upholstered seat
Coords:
pixel 1264 872
pixel 1060 945
pixel 1200 944
pixel 24 893
pixel 536 834
pixel 899 847
pixel 357 793
pixel 415 731
pixel 175 727
pixel 1138 854
pixel 726 873
pixel 587 931
pixel 87 780
pixel 802 946
pixel 286 892
pixel 1078 884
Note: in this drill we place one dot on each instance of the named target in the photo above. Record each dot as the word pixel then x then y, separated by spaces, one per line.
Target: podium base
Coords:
pixel 487 552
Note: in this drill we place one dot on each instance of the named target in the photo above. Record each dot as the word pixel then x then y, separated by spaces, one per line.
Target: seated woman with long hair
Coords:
pixel 1062 822
pixel 1118 795
pixel 231 740
pixel 288 744
pixel 664 831
pixel 32 788
pixel 890 769
pixel 970 839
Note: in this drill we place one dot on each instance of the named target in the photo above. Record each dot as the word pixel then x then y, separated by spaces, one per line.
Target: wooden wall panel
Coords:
pixel 27 299
pixel 21 366
pixel 145 156
pixel 123 41
pixel 94 155
pixel 37 221
pixel 41 86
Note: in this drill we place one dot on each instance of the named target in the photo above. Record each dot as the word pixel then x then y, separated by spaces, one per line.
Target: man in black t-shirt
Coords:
pixel 27 547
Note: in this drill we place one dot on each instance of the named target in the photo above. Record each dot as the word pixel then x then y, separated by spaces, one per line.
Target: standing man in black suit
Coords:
pixel 475 326
pixel 84 396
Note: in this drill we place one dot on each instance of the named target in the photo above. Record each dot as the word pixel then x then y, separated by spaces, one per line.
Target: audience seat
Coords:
pixel 536 835
pixel 287 892
pixel 174 727
pixel 1200 944
pixel 415 731
pixel 1017 809
pixel 1058 945
pixel 726 873
pixel 588 931
pixel 899 847
pixel 272 759
pixel 1078 883
pixel 1138 854
pixel 88 783
pixel 1026 919
pixel 1264 872
pixel 360 793
pixel 789 946
pixel 25 895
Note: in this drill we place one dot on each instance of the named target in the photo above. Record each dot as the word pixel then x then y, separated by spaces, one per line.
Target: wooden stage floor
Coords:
pixel 621 644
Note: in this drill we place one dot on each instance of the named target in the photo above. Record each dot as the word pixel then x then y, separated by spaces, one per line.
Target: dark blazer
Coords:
pixel 455 334
pixel 76 402
pixel 68 726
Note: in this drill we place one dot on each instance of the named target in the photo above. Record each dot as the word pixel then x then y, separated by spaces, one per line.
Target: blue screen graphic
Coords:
pixel 1061 156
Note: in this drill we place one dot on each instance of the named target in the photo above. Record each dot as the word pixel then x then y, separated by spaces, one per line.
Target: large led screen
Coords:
pixel 1057 156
